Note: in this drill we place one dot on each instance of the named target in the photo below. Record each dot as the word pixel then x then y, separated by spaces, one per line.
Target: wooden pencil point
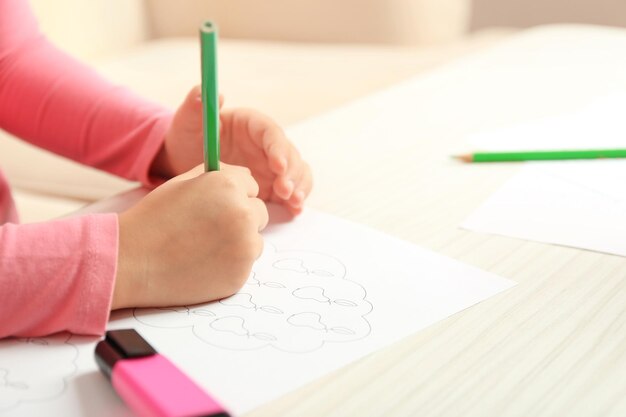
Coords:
pixel 464 158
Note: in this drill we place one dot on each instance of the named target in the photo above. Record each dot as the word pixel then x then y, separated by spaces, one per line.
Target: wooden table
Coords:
pixel 555 345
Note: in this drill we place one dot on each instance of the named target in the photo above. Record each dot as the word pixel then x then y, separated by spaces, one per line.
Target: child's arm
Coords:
pixel 55 102
pixel 57 275
pixel 191 240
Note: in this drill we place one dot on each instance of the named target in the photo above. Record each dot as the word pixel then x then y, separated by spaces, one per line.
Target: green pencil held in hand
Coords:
pixel 542 155
pixel 210 97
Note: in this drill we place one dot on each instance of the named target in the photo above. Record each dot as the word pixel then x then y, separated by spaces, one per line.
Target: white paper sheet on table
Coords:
pixel 573 203
pixel 570 203
pixel 599 125
pixel 324 293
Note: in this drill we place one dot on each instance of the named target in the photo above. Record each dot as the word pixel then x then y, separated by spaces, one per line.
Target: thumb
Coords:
pixel 192 173
pixel 189 113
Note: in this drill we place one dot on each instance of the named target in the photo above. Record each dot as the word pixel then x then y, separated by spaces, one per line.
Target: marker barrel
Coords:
pixel 153 387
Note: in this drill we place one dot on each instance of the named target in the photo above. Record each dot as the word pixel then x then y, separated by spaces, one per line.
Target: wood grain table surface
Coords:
pixel 554 345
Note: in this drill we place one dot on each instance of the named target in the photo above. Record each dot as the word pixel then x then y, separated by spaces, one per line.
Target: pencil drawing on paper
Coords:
pixel 25 365
pixel 294 301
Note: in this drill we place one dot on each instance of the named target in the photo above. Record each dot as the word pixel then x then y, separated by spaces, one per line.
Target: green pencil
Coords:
pixel 542 155
pixel 210 96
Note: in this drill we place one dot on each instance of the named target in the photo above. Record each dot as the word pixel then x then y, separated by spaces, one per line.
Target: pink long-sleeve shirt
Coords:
pixel 59 275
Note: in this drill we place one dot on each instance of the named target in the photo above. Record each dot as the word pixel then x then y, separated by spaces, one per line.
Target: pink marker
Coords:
pixel 149 383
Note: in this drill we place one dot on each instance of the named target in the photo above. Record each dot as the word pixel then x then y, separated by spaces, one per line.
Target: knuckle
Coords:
pixel 227 182
pixel 277 131
pixel 245 170
pixel 241 217
pixel 218 180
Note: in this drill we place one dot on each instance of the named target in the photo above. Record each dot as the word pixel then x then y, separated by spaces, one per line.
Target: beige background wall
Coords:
pixel 409 22
pixel 523 13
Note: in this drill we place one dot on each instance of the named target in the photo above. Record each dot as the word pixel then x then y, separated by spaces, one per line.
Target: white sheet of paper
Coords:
pixel 324 293
pixel 599 125
pixel 573 203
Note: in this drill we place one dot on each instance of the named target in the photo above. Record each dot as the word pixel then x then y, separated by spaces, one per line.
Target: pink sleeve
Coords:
pixel 60 275
pixel 57 276
pixel 56 103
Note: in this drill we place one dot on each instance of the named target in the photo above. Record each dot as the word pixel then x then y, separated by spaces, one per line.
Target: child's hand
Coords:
pixel 253 140
pixel 183 146
pixel 247 138
pixel 191 240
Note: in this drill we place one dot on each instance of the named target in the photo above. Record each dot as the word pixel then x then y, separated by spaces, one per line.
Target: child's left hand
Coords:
pixel 247 138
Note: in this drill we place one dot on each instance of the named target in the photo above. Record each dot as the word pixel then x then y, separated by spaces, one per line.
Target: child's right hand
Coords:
pixel 191 240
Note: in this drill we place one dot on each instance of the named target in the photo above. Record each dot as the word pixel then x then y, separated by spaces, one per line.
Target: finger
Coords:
pixel 270 137
pixel 260 212
pixel 302 189
pixel 284 161
pixel 293 210
pixel 189 113
pixel 283 187
pixel 279 151
pixel 280 154
pixel 195 93
pixel 285 184
pixel 263 133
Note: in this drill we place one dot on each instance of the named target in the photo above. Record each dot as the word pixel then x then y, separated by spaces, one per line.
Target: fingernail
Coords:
pixel 299 197
pixel 290 185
